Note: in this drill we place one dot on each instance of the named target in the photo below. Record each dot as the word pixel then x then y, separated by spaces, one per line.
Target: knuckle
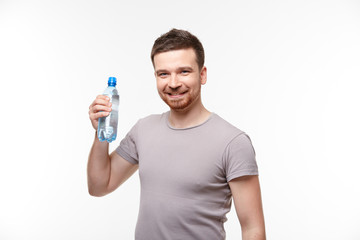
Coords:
pixel 101 97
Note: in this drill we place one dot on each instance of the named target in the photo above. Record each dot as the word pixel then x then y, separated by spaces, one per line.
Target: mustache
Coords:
pixel 175 91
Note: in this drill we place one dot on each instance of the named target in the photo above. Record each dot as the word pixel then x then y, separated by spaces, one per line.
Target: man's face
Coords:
pixel 178 78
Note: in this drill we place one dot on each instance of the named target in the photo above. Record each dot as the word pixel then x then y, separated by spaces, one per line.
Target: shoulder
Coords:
pixel 237 136
pixel 145 125
pixel 223 127
pixel 152 119
pixel 150 122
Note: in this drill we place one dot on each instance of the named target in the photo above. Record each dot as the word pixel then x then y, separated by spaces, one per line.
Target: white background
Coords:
pixel 286 72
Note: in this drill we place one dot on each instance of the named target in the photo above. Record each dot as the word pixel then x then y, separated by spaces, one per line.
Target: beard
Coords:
pixel 181 103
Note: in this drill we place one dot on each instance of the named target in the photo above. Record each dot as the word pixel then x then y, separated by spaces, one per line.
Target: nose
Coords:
pixel 174 82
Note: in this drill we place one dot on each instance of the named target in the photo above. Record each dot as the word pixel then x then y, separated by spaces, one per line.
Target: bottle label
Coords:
pixel 115 102
pixel 113 118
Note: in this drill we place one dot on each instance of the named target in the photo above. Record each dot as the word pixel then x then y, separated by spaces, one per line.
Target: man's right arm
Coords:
pixel 105 172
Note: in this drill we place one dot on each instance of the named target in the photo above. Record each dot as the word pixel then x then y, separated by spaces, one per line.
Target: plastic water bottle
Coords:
pixel 107 127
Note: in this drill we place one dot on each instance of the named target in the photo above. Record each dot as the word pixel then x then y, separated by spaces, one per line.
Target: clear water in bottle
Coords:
pixel 107 128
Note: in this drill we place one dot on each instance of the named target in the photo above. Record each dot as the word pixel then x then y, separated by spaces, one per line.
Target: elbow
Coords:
pixel 95 192
pixel 96 188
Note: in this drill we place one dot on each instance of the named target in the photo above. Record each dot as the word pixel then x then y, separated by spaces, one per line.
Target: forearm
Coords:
pixel 253 228
pixel 254 234
pixel 99 166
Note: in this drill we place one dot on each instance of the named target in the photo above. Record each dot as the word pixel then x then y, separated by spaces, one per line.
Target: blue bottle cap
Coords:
pixel 112 82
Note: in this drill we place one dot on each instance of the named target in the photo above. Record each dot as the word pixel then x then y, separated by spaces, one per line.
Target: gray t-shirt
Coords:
pixel 184 175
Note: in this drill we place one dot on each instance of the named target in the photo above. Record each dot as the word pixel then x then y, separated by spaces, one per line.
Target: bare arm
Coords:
pixel 105 172
pixel 247 199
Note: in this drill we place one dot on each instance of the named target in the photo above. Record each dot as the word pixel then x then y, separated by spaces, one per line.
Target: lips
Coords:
pixel 176 94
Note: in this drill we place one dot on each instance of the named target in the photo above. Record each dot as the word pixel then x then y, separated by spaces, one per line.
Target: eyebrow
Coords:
pixel 178 69
pixel 185 68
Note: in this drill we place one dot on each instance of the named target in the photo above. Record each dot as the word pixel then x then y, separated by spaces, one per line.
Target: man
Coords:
pixel 191 161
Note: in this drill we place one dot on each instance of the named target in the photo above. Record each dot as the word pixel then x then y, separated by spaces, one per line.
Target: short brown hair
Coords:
pixel 177 39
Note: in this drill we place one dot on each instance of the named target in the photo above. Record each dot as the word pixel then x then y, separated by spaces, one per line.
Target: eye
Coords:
pixel 162 74
pixel 185 72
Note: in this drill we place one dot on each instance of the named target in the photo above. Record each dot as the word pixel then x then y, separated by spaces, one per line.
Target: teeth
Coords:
pixel 175 94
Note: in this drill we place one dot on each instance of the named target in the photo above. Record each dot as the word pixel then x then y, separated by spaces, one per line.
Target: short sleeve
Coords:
pixel 239 158
pixel 127 148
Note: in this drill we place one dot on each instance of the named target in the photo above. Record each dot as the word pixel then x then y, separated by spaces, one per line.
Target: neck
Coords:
pixel 189 117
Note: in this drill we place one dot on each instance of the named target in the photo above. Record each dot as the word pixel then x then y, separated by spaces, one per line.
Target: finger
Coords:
pixel 100 101
pixel 103 97
pixel 96 116
pixel 98 108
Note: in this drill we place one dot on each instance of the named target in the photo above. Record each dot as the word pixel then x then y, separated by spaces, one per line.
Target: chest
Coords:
pixel 187 165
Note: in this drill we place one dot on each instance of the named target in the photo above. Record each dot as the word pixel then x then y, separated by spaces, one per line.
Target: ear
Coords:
pixel 203 75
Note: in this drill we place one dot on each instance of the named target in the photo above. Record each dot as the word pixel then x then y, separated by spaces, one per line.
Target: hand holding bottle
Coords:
pixel 100 107
pixel 103 115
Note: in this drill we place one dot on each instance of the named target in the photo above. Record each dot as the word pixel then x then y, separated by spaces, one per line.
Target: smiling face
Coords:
pixel 179 79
